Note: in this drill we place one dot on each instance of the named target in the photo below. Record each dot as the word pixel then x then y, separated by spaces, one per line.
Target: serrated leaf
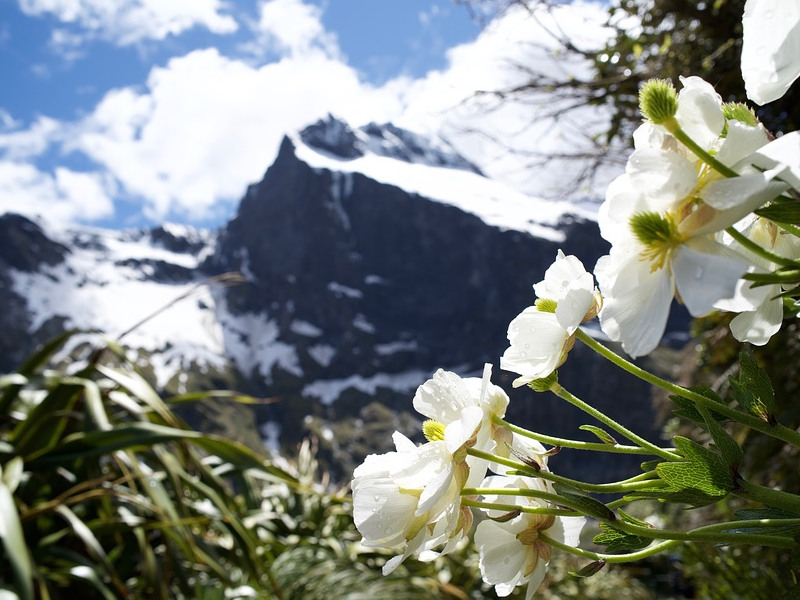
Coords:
pixel 727 446
pixel 650 465
pixel 703 471
pixel 686 407
pixel 593 568
pixel 619 541
pixel 631 519
pixel 753 388
pixel 601 434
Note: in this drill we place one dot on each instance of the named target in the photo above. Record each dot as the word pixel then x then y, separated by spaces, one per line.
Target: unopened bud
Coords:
pixel 736 111
pixel 658 101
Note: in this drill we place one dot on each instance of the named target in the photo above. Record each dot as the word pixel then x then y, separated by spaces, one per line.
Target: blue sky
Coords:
pixel 132 112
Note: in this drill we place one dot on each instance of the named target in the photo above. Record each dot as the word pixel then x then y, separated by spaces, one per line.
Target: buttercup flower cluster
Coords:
pixel 705 214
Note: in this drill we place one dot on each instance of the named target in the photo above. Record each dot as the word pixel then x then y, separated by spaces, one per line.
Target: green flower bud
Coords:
pixel 545 383
pixel 433 430
pixel 658 101
pixel 736 111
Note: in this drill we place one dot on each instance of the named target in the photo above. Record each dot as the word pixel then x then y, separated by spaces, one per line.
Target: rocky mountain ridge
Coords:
pixel 369 258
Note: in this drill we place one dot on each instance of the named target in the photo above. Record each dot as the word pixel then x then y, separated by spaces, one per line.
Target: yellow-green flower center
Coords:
pixel 433 431
pixel 658 234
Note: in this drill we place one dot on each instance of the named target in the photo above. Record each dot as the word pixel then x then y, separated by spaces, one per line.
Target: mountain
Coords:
pixel 368 258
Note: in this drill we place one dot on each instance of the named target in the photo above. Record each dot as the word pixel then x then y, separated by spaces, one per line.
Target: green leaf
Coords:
pixel 619 541
pixel 35 362
pixel 42 429
pixel 136 435
pixel 650 465
pixel 753 388
pixel 141 389
pixel 703 475
pixel 730 450
pixel 781 212
pixel 13 540
pixel 90 575
pixel 587 505
pixel 601 434
pixel 686 408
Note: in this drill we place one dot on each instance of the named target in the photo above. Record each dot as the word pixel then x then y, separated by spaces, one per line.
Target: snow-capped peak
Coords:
pixel 432 169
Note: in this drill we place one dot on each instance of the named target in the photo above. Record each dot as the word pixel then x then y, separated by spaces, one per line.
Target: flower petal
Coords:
pixel 705 273
pixel 770 48
pixel 700 111
pixel 636 300
pixel 758 326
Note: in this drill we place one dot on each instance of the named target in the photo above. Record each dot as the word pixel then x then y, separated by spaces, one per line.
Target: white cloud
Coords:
pixel 208 125
pixel 501 134
pixel 205 125
pixel 126 22
pixel 63 196
pixel 24 144
pixel 293 28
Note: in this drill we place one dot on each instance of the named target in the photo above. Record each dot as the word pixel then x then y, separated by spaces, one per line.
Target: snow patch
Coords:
pixel 305 329
pixel 340 290
pixel 322 353
pixel 394 347
pixel 497 204
pixel 329 391
pixel 361 322
pixel 252 342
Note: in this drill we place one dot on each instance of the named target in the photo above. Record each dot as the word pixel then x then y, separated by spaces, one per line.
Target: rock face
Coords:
pixel 357 288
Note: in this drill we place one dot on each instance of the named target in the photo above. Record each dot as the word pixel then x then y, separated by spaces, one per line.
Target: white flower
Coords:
pixel 409 499
pixel 516 447
pixel 541 336
pixel 658 217
pixel 770 48
pixel 761 308
pixel 511 552
pixel 464 406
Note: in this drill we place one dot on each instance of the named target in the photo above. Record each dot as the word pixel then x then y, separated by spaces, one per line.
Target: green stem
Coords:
pixel 707 534
pixel 619 487
pixel 576 444
pixel 610 558
pixel 789 228
pixel 535 510
pixel 757 249
pixel 524 493
pixel 674 128
pixel 780 432
pixel 622 430
pixel 768 496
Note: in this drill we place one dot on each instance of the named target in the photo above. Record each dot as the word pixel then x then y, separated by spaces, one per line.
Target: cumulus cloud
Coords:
pixel 126 22
pixel 208 125
pixel 292 28
pixel 63 195
pixel 504 133
pixel 204 125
